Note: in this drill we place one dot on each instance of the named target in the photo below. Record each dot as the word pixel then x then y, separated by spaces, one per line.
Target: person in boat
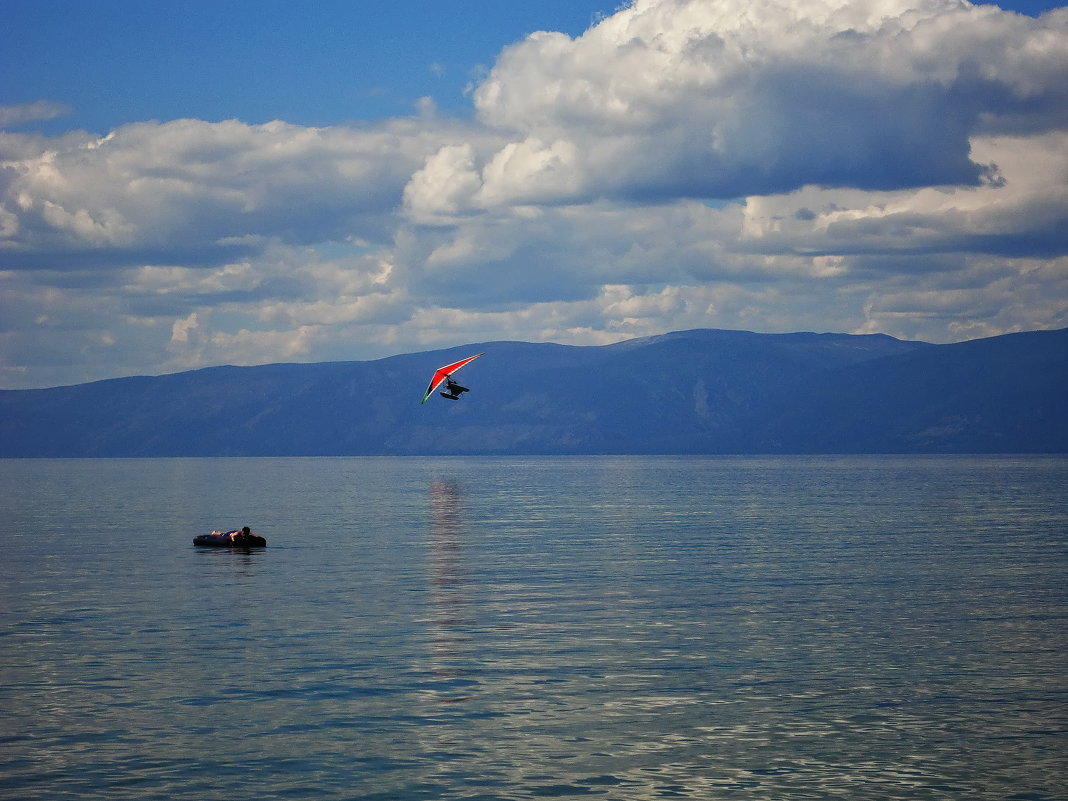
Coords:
pixel 244 535
pixel 242 538
pixel 453 390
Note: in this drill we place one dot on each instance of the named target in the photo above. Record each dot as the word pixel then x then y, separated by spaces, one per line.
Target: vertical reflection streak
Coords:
pixel 449 638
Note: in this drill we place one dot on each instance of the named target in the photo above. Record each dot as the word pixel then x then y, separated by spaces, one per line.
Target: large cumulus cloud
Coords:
pixel 885 165
pixel 1022 210
pixel 725 98
pixel 199 191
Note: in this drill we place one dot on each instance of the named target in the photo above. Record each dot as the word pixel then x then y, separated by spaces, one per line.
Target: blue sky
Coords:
pixel 247 182
pixel 321 63
pixel 332 62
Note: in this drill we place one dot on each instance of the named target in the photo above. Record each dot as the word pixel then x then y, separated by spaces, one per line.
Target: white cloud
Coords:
pixel 181 328
pixel 1024 207
pixel 202 189
pixel 10 116
pixel 721 98
pixel 444 184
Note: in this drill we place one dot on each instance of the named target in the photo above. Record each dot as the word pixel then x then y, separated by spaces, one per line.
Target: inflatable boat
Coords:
pixel 231 539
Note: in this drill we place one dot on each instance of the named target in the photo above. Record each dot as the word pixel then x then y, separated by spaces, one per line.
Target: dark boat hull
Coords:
pixel 224 541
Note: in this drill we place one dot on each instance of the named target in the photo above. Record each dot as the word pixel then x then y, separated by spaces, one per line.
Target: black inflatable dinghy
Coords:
pixel 240 538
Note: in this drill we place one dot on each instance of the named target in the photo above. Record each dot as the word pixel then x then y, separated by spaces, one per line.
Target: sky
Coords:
pixel 247 182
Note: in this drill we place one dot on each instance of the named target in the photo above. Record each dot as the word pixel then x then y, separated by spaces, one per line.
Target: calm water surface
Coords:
pixel 622 628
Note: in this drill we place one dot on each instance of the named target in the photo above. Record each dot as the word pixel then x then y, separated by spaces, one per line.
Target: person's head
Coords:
pixel 246 530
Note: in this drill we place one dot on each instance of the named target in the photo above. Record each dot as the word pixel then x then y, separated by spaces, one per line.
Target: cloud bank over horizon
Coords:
pixel 892 166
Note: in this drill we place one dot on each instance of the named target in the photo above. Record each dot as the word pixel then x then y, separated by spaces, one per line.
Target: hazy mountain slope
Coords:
pixel 698 391
pixel 1004 394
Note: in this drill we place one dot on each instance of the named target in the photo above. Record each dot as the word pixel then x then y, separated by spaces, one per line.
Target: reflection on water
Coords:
pixel 861 628
pixel 240 561
pixel 450 638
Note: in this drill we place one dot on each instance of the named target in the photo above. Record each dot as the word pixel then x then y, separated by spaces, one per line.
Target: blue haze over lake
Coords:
pixel 498 628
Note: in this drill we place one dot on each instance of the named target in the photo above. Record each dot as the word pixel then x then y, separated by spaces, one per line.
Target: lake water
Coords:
pixel 619 628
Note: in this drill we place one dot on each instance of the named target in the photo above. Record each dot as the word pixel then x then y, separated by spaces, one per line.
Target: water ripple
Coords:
pixel 871 628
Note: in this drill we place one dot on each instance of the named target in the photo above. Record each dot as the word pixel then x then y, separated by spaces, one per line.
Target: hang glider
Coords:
pixel 443 375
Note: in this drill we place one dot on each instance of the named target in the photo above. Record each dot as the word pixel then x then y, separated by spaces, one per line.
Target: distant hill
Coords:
pixel 703 391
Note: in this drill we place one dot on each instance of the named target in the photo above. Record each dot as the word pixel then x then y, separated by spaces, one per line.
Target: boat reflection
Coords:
pixel 450 621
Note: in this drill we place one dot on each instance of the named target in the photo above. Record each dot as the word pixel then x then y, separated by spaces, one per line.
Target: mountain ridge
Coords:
pixel 697 391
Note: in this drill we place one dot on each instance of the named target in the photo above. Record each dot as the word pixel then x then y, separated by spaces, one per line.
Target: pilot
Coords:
pixel 453 390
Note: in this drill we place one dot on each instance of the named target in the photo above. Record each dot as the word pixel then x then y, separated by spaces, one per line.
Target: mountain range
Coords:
pixel 687 392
